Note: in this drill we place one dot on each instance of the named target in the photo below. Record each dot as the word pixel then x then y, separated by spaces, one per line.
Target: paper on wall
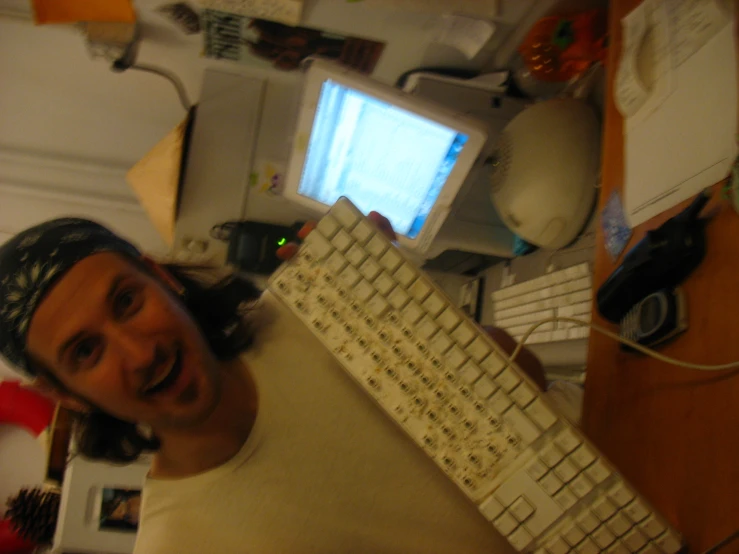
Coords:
pixel 679 99
pixel 466 34
pixel 289 12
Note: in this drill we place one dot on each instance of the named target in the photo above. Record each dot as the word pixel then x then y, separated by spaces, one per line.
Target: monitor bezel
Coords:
pixel 317 73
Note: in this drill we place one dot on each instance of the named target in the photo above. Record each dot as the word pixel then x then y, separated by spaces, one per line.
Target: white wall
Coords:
pixel 18 444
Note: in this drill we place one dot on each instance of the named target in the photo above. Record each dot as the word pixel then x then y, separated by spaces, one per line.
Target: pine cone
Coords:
pixel 33 514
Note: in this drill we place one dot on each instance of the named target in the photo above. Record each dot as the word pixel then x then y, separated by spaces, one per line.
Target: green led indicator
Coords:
pixel 281 241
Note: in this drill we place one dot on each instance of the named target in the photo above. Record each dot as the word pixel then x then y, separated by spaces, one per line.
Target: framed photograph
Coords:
pixel 119 509
pixel 100 504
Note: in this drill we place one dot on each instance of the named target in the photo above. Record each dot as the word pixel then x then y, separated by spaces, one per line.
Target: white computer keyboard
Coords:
pixel 540 482
pixel 563 293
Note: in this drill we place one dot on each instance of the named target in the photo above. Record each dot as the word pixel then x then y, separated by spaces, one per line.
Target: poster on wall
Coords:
pixel 242 39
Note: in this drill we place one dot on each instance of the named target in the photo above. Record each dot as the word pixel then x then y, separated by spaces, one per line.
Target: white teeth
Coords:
pixel 161 378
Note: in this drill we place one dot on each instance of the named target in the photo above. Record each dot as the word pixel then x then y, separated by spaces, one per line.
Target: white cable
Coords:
pixel 614 336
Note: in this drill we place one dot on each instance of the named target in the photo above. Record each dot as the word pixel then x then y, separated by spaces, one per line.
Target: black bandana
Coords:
pixel 32 261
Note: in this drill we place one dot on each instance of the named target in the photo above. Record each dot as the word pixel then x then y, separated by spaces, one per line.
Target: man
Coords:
pixel 262 443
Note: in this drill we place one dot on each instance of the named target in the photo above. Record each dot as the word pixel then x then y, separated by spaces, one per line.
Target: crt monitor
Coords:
pixel 383 149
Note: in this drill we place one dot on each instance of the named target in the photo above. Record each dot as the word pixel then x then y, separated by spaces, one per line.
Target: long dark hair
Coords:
pixel 219 309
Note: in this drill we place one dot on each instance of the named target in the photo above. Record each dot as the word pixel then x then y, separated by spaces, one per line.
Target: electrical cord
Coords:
pixel 719 545
pixel 636 346
pixel 171 77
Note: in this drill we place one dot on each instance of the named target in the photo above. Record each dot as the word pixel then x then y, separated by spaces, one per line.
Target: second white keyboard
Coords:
pixel 441 378
pixel 563 293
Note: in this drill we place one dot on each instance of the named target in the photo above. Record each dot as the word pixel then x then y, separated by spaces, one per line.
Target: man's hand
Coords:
pixel 289 250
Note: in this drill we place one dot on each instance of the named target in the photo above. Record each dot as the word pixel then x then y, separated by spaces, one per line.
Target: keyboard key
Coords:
pixel 551 483
pixel 537 469
pixel 390 260
pixel 434 304
pixel 426 328
pixel 398 298
pixel 636 511
pixel 588 522
pixel 618 548
pixel 499 402
pixel 464 334
pixel 541 414
pixel 581 485
pixel 603 508
pixel 493 364
pixel 505 524
pixel 455 357
pixel 603 537
pixel 412 312
pixel 318 245
pixel 377 306
pixel 521 509
pixel 551 455
pixel 522 425
pixel 618 524
pixel 441 342
pixel 349 276
pixel 522 395
pixel 565 471
pixel 566 498
pixel 405 275
pixel 558 546
pixel 328 226
pixel 419 289
pixel 650 548
pixel 377 246
pixel 520 538
pixel 370 269
pixel 587 547
pixel 669 543
pixel 335 262
pixel 384 283
pixel 652 527
pixel 448 319
pixel 621 494
pixel 364 291
pixel 634 539
pixel 478 349
pixel 362 232
pixel 491 508
pixel 582 456
pixel 484 387
pixel 342 241
pixel 568 440
pixel 345 214
pixel 507 379
pixel 573 534
pixel 598 472
pixel 469 372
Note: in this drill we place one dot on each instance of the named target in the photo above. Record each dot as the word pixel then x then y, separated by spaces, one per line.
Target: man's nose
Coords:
pixel 139 353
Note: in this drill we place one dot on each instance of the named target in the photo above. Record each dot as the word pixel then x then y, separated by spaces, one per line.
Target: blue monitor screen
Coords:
pixel 381 157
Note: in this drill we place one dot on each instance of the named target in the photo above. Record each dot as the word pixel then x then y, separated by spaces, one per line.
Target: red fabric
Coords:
pixel 11 543
pixel 24 407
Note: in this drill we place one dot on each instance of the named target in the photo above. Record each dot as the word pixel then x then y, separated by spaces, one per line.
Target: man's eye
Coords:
pixel 127 302
pixel 83 351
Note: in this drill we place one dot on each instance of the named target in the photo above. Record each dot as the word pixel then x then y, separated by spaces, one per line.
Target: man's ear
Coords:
pixel 45 387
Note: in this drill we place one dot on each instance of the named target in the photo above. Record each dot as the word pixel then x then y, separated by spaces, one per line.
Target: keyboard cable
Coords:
pixel 614 336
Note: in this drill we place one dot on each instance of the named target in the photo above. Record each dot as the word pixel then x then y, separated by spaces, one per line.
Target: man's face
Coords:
pixel 117 337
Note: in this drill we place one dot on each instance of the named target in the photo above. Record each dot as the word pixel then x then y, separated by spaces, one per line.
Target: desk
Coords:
pixel 674 433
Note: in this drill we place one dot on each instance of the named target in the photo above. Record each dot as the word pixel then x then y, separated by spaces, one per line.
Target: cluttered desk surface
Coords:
pixel 671 430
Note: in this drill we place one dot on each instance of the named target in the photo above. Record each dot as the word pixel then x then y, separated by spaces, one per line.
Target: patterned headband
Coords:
pixel 32 262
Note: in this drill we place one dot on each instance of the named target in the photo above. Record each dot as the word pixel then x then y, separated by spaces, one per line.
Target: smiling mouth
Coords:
pixel 166 378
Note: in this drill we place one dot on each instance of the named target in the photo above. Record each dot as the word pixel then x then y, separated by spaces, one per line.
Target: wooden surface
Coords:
pixel 674 433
